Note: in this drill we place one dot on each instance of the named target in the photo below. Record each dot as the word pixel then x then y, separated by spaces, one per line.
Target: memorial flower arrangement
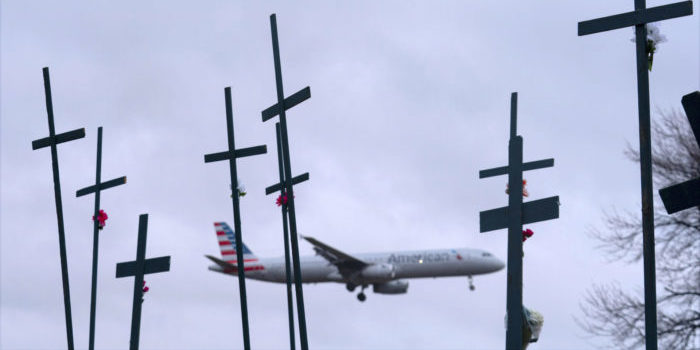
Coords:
pixel 101 218
pixel 525 193
pixel 282 200
pixel 241 189
pixel 654 37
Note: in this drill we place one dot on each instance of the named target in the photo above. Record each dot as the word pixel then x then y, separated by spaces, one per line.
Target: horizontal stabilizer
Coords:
pixel 224 265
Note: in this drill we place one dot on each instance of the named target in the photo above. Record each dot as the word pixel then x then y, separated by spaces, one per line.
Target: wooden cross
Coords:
pixel 138 268
pixel 280 109
pixel 97 189
pixel 639 18
pixel 685 194
pixel 513 217
pixel 52 141
pixel 231 156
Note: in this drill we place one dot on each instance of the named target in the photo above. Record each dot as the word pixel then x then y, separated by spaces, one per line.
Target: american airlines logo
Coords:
pixel 418 258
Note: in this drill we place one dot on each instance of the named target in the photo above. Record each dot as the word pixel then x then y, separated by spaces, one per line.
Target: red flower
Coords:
pixel 527 234
pixel 282 200
pixel 525 193
pixel 145 287
pixel 101 218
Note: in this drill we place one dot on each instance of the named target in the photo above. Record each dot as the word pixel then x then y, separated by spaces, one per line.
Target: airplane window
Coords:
pixel 485 254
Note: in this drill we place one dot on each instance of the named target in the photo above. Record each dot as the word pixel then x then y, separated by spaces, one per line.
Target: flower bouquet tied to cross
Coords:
pixel 654 37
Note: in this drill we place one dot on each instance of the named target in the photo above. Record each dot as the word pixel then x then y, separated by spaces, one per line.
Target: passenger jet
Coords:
pixel 384 271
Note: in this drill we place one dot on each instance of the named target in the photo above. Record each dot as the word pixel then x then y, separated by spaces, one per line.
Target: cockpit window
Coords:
pixel 485 254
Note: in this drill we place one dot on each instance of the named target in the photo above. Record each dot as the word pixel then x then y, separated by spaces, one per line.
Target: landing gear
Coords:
pixel 350 287
pixel 361 296
pixel 471 283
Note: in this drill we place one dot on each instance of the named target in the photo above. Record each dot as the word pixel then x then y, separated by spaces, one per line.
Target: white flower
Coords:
pixel 654 35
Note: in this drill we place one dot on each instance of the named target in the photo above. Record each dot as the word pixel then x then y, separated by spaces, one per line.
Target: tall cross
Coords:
pixel 685 194
pixel 138 268
pixel 280 109
pixel 285 228
pixel 513 217
pixel 52 141
pixel 97 188
pixel 639 18
pixel 231 156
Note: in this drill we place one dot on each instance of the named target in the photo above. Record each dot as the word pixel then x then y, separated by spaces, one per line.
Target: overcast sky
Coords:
pixel 409 101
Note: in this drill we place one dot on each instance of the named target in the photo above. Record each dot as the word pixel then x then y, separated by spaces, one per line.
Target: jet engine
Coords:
pixel 392 287
pixel 379 272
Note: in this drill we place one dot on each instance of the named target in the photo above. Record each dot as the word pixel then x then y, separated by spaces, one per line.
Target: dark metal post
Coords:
pixel 514 301
pixel 138 268
pixel 513 217
pixel 237 221
pixel 647 183
pixel 52 141
pixel 289 188
pixel 287 267
pixel 639 18
pixel 138 282
pixel 231 155
pixel 95 243
pixel 97 188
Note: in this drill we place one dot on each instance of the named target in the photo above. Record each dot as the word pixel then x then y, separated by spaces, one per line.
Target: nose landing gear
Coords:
pixel 350 287
pixel 361 296
pixel 471 283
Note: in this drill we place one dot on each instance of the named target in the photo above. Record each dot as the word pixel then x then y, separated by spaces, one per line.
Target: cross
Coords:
pixel 138 268
pixel 97 189
pixel 285 228
pixel 513 217
pixel 685 194
pixel 51 141
pixel 639 18
pixel 231 156
pixel 280 109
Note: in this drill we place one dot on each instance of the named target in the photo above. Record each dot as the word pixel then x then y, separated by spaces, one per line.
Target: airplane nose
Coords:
pixel 498 264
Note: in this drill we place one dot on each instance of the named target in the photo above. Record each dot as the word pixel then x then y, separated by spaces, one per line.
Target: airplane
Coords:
pixel 384 271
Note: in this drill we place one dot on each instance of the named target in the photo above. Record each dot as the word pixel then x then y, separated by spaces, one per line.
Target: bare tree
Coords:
pixel 618 315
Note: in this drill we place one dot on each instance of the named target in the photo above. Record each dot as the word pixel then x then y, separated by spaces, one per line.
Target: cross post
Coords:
pixel 138 268
pixel 97 189
pixel 513 217
pixel 51 141
pixel 639 18
pixel 231 156
pixel 285 228
pixel 280 109
pixel 685 194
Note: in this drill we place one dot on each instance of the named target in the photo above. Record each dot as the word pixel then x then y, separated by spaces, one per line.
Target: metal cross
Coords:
pixel 513 217
pixel 97 188
pixel 280 109
pixel 138 268
pixel 231 156
pixel 52 141
pixel 639 18
pixel 685 194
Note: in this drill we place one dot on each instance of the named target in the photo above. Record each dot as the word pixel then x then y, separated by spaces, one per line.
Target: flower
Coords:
pixel 241 189
pixel 527 234
pixel 145 287
pixel 101 218
pixel 282 200
pixel 654 37
pixel 525 193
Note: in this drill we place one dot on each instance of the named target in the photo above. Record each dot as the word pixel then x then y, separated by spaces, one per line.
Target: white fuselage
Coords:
pixel 406 264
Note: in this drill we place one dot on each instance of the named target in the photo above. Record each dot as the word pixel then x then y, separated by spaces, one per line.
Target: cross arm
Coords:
pixel 278 186
pixel 60 138
pixel 102 186
pixel 154 265
pixel 538 164
pixel 289 102
pixel 239 153
pixel 691 105
pixel 535 211
pixel 681 196
pixel 633 18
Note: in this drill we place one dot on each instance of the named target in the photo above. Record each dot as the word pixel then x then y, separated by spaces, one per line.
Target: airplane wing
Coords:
pixel 224 265
pixel 347 264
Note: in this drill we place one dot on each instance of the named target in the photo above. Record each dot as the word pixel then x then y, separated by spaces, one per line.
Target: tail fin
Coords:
pixel 227 244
